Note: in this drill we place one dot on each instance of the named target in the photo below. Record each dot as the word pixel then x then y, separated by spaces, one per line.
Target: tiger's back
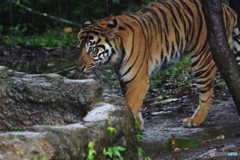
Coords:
pixel 142 43
pixel 168 29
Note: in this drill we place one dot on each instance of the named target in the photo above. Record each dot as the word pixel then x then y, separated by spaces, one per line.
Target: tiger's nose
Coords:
pixel 81 68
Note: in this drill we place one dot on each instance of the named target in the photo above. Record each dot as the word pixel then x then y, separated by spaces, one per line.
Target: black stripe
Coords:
pixel 200 50
pixel 121 28
pixel 107 41
pixel 98 40
pixel 123 51
pixel 140 25
pixel 130 27
pixel 203 82
pixel 101 46
pixel 190 17
pixel 204 73
pixel 94 32
pixel 153 12
pixel 200 27
pixel 173 50
pixel 207 52
pixel 166 42
pixel 169 7
pixel 136 73
pixel 98 28
pixel 110 57
pixel 164 19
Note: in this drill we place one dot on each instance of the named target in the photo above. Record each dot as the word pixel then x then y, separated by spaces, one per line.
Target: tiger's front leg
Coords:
pixel 134 93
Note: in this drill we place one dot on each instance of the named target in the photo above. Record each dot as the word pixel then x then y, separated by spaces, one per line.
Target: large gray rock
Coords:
pixel 74 113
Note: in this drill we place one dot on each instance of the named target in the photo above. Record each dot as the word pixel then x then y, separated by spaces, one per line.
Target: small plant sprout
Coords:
pixel 140 152
pixel 136 122
pixel 112 130
pixel 114 152
pixel 140 136
pixel 91 151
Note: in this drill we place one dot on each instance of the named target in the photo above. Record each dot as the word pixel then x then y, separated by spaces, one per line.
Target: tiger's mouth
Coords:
pixel 85 69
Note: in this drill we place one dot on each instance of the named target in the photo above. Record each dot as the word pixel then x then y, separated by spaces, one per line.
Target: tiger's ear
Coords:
pixel 112 29
pixel 85 23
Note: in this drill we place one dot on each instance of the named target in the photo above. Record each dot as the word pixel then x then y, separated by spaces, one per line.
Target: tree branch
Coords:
pixel 45 14
pixel 221 52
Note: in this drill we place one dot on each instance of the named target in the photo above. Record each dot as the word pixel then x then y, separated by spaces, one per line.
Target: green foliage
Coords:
pixel 49 38
pixel 110 152
pixel 182 67
pixel 91 151
pixel 111 130
pixel 140 152
pixel 29 29
pixel 180 76
pixel 114 152
pixel 140 136
pixel 19 129
pixel 136 122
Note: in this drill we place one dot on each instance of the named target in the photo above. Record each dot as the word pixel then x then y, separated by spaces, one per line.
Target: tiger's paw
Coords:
pixel 190 122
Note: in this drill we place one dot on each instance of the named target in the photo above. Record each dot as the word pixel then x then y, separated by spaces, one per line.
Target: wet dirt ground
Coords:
pixel 219 133
pixel 164 136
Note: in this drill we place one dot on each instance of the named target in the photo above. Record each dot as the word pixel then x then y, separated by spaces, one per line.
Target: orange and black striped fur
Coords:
pixel 142 43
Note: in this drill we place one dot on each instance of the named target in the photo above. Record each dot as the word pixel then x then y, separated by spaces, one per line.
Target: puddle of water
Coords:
pixel 182 143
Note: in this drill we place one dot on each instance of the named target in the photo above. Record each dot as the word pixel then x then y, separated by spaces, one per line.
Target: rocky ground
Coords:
pixel 164 136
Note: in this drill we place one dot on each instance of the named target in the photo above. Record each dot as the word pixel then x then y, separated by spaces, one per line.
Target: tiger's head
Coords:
pixel 96 45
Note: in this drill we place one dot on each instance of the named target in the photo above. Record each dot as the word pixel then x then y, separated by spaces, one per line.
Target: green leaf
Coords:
pixel 119 148
pixel 92 152
pixel 111 129
pixel 140 152
pixel 116 152
pixel 109 152
pixel 140 136
pixel 136 122
pixel 91 145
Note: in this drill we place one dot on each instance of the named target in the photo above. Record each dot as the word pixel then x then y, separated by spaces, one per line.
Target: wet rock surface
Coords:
pixel 61 117
pixel 43 99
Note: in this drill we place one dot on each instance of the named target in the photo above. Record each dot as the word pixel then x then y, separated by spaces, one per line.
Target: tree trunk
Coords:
pixel 222 55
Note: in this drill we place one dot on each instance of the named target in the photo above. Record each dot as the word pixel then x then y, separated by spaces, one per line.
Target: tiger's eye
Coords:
pixel 91 49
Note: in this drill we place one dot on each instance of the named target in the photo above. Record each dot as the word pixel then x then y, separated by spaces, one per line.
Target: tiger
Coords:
pixel 137 45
